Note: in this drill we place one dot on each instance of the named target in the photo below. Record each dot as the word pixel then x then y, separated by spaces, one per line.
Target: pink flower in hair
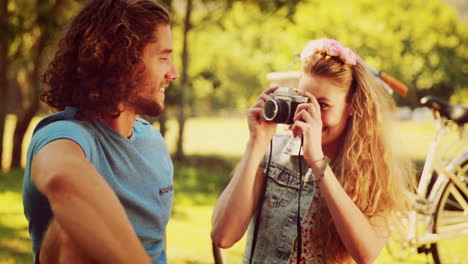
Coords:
pixel 348 56
pixel 313 47
pixel 329 48
pixel 332 47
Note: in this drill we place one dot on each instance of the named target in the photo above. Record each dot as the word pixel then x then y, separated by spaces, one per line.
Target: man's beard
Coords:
pixel 146 106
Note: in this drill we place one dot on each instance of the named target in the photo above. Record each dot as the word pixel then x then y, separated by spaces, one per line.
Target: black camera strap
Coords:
pixel 298 218
pixel 260 205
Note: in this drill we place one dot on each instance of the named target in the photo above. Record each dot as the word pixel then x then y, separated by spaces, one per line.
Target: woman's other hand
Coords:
pixel 259 128
pixel 308 124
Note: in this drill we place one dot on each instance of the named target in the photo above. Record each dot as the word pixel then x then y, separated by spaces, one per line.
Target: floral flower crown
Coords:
pixel 329 48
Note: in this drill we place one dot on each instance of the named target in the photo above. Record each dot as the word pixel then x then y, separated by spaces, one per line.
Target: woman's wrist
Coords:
pixel 312 159
pixel 318 167
pixel 317 160
pixel 256 141
pixel 256 147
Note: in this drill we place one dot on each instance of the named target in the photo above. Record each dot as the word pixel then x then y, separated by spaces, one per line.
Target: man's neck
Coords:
pixel 122 124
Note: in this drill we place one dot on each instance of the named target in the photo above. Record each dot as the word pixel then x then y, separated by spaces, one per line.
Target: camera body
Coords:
pixel 283 105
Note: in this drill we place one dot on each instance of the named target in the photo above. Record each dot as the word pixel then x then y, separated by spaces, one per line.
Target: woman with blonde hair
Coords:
pixel 331 183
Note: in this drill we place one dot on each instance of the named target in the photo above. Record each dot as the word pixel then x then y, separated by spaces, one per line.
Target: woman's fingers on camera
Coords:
pixel 256 108
pixel 298 128
pixel 256 111
pixel 309 109
pixel 302 114
pixel 313 101
pixel 303 107
pixel 264 97
pixel 310 96
pixel 259 103
pixel 271 89
pixel 261 99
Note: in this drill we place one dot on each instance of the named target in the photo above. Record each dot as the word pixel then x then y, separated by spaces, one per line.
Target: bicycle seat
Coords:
pixel 456 113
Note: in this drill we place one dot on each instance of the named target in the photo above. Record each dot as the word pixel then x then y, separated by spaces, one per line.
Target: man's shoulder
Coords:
pixel 67 114
pixel 57 126
pixel 142 121
pixel 62 127
pixel 144 127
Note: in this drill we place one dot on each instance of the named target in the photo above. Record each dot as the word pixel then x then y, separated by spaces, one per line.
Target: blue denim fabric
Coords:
pixel 277 232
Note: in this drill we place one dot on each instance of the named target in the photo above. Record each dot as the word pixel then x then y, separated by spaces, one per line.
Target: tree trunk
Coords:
pixel 34 79
pixel 20 130
pixel 27 114
pixel 183 83
pixel 4 37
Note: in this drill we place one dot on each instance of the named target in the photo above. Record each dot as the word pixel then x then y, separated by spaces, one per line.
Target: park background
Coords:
pixel 224 50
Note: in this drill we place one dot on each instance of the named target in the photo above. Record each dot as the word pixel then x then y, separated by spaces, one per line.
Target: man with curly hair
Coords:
pixel 98 181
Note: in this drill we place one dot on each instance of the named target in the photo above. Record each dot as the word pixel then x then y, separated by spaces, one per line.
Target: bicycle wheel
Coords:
pixel 398 245
pixel 451 219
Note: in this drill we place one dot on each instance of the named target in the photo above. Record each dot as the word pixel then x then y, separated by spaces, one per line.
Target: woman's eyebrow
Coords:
pixel 323 99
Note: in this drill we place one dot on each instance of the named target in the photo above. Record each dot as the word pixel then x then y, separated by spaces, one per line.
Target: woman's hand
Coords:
pixel 308 125
pixel 260 129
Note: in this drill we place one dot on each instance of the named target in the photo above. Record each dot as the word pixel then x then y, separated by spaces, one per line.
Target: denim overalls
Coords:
pixel 277 232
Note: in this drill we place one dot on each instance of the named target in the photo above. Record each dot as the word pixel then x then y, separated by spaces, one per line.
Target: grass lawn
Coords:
pixel 214 145
pixel 15 246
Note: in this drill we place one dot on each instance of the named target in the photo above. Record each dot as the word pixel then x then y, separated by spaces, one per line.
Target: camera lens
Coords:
pixel 270 109
pixel 276 111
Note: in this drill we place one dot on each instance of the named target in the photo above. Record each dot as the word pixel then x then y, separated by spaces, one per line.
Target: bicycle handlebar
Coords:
pixel 396 85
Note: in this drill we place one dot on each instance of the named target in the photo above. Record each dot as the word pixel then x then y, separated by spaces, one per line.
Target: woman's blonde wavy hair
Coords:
pixel 374 177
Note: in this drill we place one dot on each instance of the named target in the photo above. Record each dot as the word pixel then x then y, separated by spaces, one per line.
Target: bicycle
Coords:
pixel 440 206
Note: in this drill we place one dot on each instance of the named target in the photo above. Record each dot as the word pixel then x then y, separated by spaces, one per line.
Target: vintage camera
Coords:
pixel 282 107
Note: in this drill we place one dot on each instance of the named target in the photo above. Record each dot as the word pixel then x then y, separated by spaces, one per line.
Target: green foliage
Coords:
pixel 29 21
pixel 229 59
pixel 233 44
pixel 422 43
pixel 460 97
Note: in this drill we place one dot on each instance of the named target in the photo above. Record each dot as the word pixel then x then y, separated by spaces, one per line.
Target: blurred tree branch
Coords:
pixel 4 44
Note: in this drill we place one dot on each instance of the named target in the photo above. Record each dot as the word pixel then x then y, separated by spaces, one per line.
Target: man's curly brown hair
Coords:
pixel 98 64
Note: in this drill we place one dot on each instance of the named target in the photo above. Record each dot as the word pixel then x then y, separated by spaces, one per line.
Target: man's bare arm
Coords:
pixel 84 204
